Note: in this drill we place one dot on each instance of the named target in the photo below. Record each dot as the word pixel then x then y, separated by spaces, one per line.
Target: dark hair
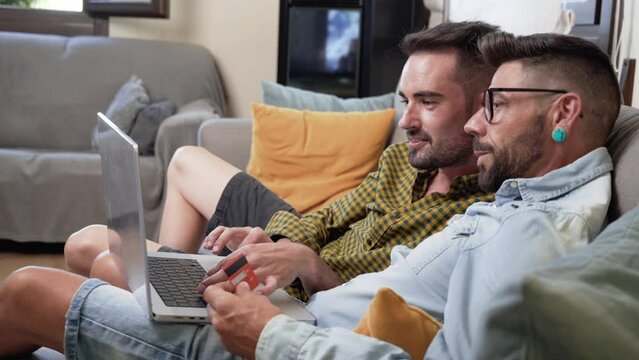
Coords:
pixel 577 63
pixel 471 70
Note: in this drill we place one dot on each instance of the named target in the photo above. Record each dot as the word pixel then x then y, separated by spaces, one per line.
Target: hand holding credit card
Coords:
pixel 238 270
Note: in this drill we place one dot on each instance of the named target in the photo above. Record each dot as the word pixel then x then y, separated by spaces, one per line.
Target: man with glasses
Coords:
pixel 543 152
pixel 540 144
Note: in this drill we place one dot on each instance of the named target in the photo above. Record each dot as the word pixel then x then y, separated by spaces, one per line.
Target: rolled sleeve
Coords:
pixel 285 338
pixel 282 338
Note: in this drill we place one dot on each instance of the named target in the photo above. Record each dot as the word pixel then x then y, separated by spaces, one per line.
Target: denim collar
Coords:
pixel 557 182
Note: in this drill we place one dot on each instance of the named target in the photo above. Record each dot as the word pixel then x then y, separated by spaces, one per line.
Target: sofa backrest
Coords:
pixel 398 135
pixel 53 86
pixel 623 145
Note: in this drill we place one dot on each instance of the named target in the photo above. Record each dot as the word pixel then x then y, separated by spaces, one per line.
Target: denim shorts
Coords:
pixel 106 322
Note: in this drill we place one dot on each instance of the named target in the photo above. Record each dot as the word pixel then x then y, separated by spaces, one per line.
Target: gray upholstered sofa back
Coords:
pixel 49 97
pixel 623 145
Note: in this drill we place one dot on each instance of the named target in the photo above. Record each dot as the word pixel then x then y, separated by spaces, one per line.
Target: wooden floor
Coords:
pixel 16 255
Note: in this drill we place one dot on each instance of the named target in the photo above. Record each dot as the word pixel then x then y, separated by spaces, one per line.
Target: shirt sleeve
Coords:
pixel 525 241
pixel 285 338
pixel 320 227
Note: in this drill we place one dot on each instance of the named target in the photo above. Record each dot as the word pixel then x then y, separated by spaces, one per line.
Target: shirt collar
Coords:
pixel 557 182
pixel 460 186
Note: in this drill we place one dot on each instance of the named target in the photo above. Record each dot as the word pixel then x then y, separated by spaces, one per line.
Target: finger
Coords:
pixel 220 264
pixel 270 285
pixel 212 236
pixel 229 259
pixel 215 268
pixel 255 236
pixel 224 240
pixel 242 288
pixel 214 295
pixel 230 238
pixel 217 278
pixel 211 311
pixel 226 286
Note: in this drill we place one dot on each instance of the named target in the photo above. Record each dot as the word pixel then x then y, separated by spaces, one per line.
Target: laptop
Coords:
pixel 164 284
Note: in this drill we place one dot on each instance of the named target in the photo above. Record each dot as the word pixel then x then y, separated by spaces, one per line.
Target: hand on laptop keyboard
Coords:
pixel 233 238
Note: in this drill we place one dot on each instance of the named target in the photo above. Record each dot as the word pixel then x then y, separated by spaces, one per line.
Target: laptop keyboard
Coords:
pixel 176 281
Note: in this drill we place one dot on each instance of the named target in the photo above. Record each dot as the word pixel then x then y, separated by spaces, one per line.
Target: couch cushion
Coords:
pixel 147 123
pixel 311 158
pixel 46 185
pixel 124 108
pixel 389 318
pixel 623 145
pixel 289 97
pixel 581 306
pixel 586 305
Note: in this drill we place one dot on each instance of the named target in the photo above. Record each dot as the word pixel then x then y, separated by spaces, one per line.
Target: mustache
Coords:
pixel 418 134
pixel 477 146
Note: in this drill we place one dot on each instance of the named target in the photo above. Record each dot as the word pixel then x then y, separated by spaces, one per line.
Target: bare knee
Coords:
pixel 105 268
pixel 83 246
pixel 184 158
pixel 33 304
pixel 15 292
pixel 18 282
pixel 17 288
pixel 188 159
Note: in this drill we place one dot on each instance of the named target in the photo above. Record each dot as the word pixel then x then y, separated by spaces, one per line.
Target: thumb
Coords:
pixel 242 288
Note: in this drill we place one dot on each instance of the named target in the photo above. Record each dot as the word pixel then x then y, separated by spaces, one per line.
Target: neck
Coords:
pixel 440 183
pixel 559 157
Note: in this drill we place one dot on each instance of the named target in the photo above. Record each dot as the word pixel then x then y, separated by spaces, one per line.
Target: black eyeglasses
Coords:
pixel 488 98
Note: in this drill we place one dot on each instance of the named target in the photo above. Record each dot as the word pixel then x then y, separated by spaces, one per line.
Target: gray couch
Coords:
pixel 51 89
pixel 582 306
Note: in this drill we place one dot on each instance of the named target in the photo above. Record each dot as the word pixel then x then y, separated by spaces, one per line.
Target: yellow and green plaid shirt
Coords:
pixel 355 234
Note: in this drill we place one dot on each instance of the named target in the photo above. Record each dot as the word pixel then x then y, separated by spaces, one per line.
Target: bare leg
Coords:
pixel 195 182
pixel 83 246
pixel 105 268
pixel 33 306
pixel 196 179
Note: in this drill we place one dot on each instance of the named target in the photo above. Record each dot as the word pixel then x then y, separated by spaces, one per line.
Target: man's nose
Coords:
pixel 476 125
pixel 410 118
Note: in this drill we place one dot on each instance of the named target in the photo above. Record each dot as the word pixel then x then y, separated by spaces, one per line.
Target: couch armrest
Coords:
pixel 228 138
pixel 181 129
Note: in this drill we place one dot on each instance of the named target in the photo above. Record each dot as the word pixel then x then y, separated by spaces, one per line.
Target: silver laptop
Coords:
pixel 163 283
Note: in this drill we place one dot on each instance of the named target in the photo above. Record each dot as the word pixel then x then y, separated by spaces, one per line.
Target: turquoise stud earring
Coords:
pixel 559 135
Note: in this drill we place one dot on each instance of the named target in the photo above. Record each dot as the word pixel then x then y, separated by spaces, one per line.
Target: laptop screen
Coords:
pixel 121 181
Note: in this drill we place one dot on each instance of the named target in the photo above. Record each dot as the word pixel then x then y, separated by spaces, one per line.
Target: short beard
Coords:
pixel 440 154
pixel 512 159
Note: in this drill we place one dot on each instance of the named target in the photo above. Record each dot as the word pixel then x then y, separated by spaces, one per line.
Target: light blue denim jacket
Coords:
pixel 475 263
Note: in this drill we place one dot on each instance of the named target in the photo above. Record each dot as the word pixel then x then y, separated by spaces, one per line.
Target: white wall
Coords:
pixel 241 35
pixel 634 46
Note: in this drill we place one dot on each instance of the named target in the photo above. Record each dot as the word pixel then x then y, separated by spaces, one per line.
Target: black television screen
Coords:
pixel 324 49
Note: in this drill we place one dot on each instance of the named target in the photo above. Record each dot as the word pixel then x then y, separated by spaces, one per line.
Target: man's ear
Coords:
pixel 569 111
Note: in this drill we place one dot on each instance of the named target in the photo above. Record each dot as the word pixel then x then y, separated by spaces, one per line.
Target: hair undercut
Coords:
pixel 574 62
pixel 472 71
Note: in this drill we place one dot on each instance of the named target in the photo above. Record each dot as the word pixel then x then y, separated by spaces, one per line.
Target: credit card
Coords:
pixel 240 270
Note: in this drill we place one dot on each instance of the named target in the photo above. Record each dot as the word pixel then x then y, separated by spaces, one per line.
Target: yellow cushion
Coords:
pixel 311 158
pixel 390 319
